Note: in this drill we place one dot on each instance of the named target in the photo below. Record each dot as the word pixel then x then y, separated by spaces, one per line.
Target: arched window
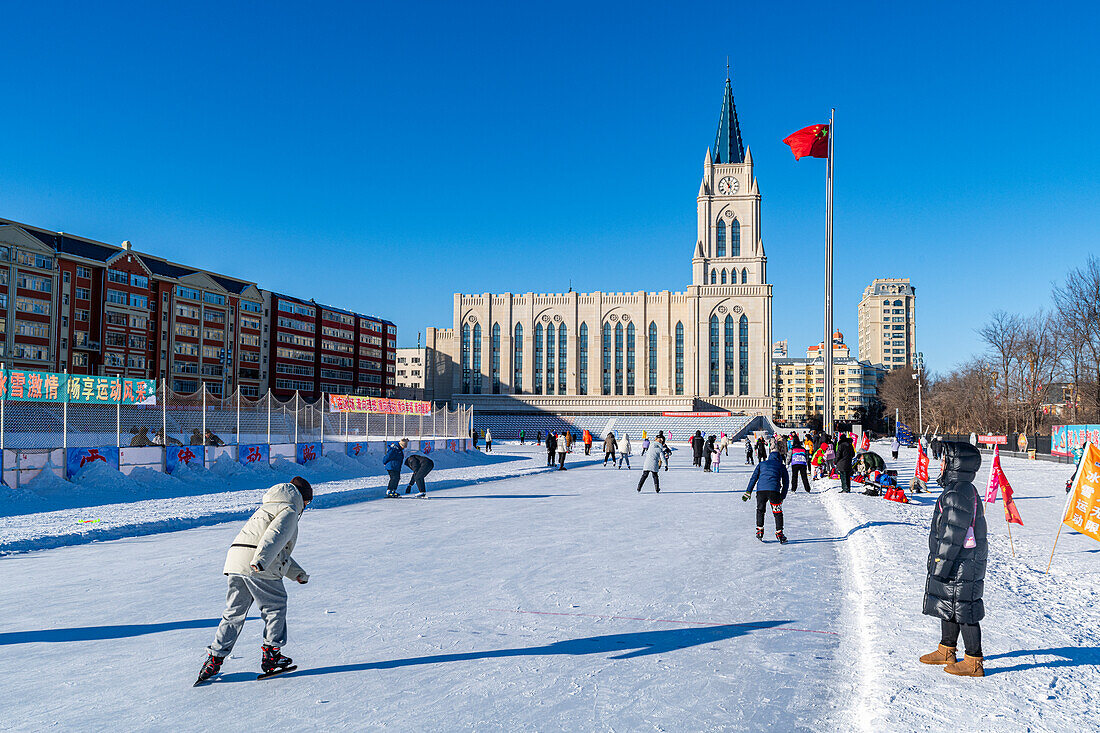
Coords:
pixel 744 276
pixel 465 358
pixel 735 238
pixel 898 302
pixel 477 359
pixel 538 359
pixel 744 339
pixel 714 364
pixel 714 277
pixel 517 359
pixel 720 240
pixel 630 358
pixel 605 347
pixel 724 276
pixel 679 358
pixel 618 358
pixel 582 359
pixel 731 358
pixel 494 358
pixel 550 359
pixel 563 370
pixel 653 357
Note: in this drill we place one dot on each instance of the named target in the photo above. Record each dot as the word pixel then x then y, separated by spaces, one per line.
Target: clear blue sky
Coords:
pixel 381 157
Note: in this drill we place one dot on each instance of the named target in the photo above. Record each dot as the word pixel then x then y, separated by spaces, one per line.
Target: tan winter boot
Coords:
pixel 968 667
pixel 942 655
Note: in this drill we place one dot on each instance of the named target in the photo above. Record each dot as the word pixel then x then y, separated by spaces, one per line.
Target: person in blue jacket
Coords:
pixel 771 479
pixel 395 456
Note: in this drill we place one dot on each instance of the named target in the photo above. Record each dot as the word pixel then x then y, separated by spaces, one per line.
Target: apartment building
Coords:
pixel 411 371
pixel 72 303
pixel 800 384
pixel 888 323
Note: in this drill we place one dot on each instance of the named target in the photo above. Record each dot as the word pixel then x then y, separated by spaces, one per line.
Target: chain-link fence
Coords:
pixel 203 418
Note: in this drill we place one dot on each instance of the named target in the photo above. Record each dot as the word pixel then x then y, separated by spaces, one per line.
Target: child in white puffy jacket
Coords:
pixel 257 562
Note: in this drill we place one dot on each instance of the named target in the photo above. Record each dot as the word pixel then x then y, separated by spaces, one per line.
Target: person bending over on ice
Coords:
pixel 771 481
pixel 957 551
pixel 395 456
pixel 257 562
pixel 421 466
pixel 652 458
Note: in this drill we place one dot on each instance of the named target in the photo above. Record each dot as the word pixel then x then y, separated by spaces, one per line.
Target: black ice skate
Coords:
pixel 760 533
pixel 212 668
pixel 274 663
pixel 781 537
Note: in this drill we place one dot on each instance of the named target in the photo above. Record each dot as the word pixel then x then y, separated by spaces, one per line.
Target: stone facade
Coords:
pixel 708 346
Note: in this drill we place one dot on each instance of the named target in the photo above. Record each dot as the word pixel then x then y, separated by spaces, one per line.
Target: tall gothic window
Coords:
pixel 653 357
pixel 744 337
pixel 720 249
pixel 582 359
pixel 731 357
pixel 724 276
pixel 714 277
pixel 538 359
pixel 550 359
pixel 563 370
pixel 477 358
pixel 494 358
pixel 735 238
pixel 605 347
pixel 630 358
pixel 465 358
pixel 679 357
pixel 618 358
pixel 744 276
pixel 517 359
pixel 715 365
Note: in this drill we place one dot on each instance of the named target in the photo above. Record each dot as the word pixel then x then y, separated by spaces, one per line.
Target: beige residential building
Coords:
pixel 800 384
pixel 410 370
pixel 888 323
pixel 706 347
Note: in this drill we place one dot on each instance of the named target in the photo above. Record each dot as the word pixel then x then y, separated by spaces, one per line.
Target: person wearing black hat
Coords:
pixel 957 552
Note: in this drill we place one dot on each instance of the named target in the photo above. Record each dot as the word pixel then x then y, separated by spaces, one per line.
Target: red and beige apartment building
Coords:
pixel 72 303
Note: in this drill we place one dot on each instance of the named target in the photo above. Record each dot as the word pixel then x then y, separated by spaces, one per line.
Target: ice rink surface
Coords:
pixel 563 600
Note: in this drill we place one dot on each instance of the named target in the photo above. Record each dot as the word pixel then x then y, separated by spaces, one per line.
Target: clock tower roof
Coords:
pixel 727 143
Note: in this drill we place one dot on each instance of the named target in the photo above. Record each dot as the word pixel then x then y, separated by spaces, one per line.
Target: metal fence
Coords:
pixel 203 418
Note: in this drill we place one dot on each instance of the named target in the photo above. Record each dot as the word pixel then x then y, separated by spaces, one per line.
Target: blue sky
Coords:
pixel 381 157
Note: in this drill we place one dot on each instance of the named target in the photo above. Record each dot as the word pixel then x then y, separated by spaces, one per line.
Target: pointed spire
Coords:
pixel 707 160
pixel 727 143
pixel 702 188
pixel 753 189
pixel 748 155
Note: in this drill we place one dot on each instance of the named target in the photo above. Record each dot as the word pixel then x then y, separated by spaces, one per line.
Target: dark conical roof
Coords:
pixel 727 143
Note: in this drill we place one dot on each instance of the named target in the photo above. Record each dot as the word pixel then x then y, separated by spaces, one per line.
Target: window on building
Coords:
pixel 630 351
pixel 114 318
pixel 582 359
pixel 251 307
pixel 189 293
pixel 476 374
pixel 35 330
pixel 82 293
pixel 606 361
pixel 80 360
pixel 652 357
pixel 724 276
pixel 730 372
pixel 720 239
pixel 714 277
pixel 538 359
pixel 744 276
pixel 744 366
pixel 494 358
pixel 139 281
pixel 618 358
pixel 139 301
pixel 118 277
pixel 679 357
pixel 214 298
pixel 31 305
pixel 114 338
pixel 34 260
pixel 550 383
pixel 563 369
pixel 35 282
pixel 715 366
pixel 465 357
pixel 83 272
pixel 117 296
pixel 735 238
pixel 517 359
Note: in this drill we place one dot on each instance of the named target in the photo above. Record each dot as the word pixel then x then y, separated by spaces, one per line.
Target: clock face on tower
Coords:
pixel 728 185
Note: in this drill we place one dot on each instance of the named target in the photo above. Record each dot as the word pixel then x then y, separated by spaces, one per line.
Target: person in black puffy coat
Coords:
pixel 957 552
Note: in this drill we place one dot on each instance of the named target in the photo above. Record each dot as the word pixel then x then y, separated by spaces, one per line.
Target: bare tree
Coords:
pixel 1077 302
pixel 898 392
pixel 1003 334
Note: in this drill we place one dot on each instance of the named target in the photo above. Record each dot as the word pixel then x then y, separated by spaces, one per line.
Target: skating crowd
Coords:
pixel 260 556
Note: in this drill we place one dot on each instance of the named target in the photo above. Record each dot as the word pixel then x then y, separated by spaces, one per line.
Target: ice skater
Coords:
pixel 609 446
pixel 652 458
pixel 421 466
pixel 488 441
pixel 562 446
pixel 551 447
pixel 392 460
pixel 799 467
pixel 624 452
pixel 773 480
pixel 257 562
pixel 716 460
pixel 748 452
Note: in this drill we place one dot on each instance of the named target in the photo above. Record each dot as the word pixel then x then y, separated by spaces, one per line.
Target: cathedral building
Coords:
pixel 707 347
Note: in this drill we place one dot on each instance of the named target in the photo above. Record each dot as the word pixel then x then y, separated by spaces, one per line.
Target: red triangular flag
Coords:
pixel 865 444
pixel 812 141
pixel 922 464
pixel 1011 513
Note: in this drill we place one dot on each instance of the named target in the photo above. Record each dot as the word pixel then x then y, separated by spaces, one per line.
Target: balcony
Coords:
pixel 86 346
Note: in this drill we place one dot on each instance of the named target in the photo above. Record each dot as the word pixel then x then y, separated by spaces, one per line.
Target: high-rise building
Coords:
pixel 800 384
pixel 888 323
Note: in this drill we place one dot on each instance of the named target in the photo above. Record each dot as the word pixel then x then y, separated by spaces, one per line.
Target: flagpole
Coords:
pixel 829 426
pixel 1013 546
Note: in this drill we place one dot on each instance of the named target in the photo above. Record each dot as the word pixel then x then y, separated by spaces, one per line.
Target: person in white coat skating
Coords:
pixel 257 561
pixel 624 452
pixel 652 459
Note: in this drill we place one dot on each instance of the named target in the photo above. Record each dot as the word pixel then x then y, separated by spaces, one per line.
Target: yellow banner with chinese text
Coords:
pixel 1083 508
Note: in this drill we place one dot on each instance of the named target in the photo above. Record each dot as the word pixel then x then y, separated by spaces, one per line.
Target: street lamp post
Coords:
pixel 920 406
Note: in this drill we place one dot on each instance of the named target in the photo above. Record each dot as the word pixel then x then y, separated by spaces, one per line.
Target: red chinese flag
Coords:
pixel 812 141
pixel 922 464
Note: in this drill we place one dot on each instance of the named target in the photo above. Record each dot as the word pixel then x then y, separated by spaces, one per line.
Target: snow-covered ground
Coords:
pixel 553 600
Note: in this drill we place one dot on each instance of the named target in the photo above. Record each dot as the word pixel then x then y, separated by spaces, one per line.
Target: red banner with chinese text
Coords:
pixel 383 405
